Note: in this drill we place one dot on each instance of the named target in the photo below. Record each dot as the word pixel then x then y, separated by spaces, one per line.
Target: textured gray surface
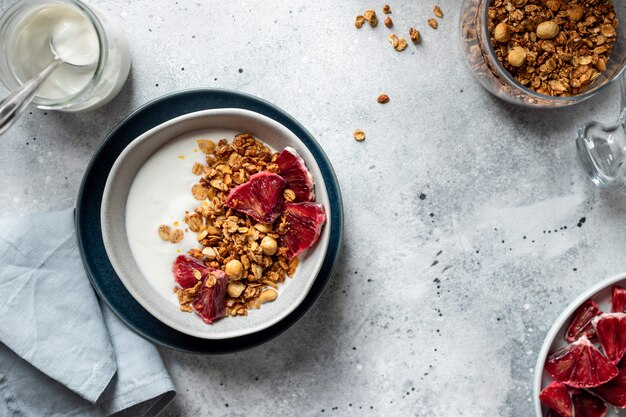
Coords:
pixel 461 238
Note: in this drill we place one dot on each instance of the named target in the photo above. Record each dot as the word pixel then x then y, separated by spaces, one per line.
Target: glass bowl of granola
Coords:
pixel 544 53
pixel 215 222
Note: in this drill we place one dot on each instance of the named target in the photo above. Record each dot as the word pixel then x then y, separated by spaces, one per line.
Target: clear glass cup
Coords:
pixel 602 148
pixel 111 69
pixel 481 57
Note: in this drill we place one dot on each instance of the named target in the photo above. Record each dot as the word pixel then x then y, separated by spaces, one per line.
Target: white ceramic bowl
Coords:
pixel 114 232
pixel 602 294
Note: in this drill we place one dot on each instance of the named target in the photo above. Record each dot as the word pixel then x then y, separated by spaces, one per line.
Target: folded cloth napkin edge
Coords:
pixel 161 386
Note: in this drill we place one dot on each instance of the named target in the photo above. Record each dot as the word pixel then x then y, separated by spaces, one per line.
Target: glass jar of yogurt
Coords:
pixel 25 32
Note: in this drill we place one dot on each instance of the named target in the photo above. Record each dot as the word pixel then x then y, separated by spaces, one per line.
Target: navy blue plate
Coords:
pixel 99 269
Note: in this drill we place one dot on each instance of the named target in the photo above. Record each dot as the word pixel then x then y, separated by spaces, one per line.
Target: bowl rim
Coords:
pixel 172 124
pixel 87 217
pixel 558 325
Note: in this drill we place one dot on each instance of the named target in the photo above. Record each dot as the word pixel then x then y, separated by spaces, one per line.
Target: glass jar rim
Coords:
pixel 587 93
pixel 84 93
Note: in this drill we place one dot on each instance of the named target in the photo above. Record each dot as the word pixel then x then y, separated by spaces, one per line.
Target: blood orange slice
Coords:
pixel 304 225
pixel 580 365
pixel 183 269
pixel 586 405
pixel 293 169
pixel 614 391
pixel 210 303
pixel 260 198
pixel 581 321
pixel 611 331
pixel 558 397
pixel 619 300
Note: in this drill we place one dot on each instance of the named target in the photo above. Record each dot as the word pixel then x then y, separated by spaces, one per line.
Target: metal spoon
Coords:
pixel 12 106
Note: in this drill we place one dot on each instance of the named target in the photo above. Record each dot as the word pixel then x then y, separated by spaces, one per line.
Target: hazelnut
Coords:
pixel 235 289
pixel 269 245
pixel 502 32
pixel 234 269
pixel 388 22
pixel 548 30
pixel 575 13
pixel 268 295
pixel 516 56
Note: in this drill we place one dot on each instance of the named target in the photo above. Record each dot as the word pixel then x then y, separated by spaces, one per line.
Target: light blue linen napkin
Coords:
pixel 61 352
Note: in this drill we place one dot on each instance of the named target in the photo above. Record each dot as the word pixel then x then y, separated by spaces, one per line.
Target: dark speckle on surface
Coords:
pixel 240 70
pixel 581 221
pixel 422 196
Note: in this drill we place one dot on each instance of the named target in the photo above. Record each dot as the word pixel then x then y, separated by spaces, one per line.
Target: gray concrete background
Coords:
pixel 461 239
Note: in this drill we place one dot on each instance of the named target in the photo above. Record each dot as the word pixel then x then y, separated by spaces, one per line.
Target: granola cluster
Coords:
pixel 554 47
pixel 248 252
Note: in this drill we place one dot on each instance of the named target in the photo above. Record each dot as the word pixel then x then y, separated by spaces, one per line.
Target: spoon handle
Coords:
pixel 12 106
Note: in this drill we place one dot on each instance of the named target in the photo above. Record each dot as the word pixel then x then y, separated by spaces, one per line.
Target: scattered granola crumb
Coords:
pixel 386 9
pixel 393 40
pixel 359 135
pixel 359 22
pixel 383 98
pixel 176 236
pixel 388 22
pixel 433 23
pixel 370 16
pixel 197 169
pixel 206 146
pixel 438 12
pixel 399 44
pixel 415 35
pixel 164 232
pixel 169 234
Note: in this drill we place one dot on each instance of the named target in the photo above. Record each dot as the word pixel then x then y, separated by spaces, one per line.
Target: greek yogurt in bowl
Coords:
pixel 150 184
